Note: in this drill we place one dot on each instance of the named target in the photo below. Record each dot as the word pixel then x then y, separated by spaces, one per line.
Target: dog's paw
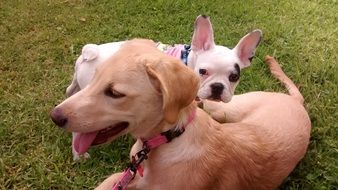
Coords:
pixel 110 182
pixel 77 157
pixel 214 109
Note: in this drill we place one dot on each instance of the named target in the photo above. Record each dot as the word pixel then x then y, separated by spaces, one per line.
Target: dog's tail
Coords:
pixel 277 71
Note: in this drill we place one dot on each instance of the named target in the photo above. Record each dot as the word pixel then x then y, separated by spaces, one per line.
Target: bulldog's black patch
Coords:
pixel 234 77
pixel 237 69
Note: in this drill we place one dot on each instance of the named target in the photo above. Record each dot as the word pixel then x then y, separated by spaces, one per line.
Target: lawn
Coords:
pixel 40 40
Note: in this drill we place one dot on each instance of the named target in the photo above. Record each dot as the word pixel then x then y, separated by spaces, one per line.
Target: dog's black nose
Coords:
pixel 58 118
pixel 216 89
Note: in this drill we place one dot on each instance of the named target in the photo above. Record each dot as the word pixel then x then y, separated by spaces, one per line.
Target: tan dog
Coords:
pixel 144 92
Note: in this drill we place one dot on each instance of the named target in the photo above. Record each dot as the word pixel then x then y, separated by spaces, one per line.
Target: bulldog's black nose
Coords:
pixel 216 89
pixel 58 118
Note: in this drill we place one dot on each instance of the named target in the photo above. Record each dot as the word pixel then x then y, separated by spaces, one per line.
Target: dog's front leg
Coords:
pixel 215 109
pixel 135 148
pixel 109 183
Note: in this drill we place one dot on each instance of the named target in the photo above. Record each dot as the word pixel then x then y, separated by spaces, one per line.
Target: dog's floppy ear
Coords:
pixel 73 87
pixel 177 83
pixel 90 52
pixel 246 47
pixel 203 37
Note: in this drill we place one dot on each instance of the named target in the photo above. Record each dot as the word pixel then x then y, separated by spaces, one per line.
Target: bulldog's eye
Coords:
pixel 203 72
pixel 233 77
pixel 113 93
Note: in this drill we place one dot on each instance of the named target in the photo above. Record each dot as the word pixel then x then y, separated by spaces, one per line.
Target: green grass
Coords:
pixel 40 40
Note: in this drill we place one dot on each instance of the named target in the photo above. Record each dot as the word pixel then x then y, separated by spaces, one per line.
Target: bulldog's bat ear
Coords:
pixel 203 37
pixel 246 47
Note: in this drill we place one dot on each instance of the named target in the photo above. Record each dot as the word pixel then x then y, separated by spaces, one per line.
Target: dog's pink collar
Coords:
pixel 135 165
pixel 167 136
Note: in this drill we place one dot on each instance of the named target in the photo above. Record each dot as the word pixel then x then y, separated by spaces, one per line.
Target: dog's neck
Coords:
pixel 185 118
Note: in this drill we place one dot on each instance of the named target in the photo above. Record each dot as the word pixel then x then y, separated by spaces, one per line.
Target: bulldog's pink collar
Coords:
pixel 139 157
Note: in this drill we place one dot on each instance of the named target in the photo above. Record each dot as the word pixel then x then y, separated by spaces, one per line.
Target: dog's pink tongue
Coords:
pixel 83 141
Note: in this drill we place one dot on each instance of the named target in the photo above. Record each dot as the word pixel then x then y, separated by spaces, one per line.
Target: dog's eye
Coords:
pixel 233 77
pixel 203 72
pixel 113 93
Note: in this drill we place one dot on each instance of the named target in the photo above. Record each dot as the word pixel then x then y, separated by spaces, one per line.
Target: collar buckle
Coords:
pixel 171 134
pixel 185 53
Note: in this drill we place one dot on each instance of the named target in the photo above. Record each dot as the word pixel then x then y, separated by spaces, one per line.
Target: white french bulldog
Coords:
pixel 218 66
